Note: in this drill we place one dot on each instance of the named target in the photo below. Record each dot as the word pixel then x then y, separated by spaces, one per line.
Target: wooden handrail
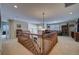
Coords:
pixel 33 34
pixel 51 38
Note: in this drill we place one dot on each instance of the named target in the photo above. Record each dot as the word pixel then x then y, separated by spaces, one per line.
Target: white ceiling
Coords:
pixel 33 12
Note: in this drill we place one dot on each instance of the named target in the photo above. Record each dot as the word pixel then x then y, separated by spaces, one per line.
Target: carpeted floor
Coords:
pixel 65 46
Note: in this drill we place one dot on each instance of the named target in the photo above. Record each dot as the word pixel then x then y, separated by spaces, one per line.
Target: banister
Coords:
pixel 46 40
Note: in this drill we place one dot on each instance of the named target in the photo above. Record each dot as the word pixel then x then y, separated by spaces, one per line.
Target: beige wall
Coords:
pixel 13 27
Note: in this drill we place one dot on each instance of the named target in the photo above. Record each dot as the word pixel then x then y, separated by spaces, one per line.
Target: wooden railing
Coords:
pixel 39 44
pixel 50 41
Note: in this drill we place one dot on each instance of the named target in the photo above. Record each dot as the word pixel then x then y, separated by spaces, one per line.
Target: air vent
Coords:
pixel 69 4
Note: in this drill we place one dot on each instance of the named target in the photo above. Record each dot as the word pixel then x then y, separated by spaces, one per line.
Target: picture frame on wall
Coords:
pixel 18 25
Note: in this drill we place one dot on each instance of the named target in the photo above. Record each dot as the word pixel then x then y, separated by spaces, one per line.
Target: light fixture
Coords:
pixel 43 19
pixel 70 13
pixel 43 24
pixel 15 6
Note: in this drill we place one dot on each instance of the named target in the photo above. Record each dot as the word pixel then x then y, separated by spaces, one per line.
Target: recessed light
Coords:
pixel 70 13
pixel 15 6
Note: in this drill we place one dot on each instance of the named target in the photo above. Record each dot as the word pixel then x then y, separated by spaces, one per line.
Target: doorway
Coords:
pixel 65 30
pixel 5 30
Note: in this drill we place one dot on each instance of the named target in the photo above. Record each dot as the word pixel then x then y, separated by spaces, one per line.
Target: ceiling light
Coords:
pixel 15 6
pixel 70 13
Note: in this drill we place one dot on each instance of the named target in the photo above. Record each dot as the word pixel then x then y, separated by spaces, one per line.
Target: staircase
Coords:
pixel 28 43
pixel 47 43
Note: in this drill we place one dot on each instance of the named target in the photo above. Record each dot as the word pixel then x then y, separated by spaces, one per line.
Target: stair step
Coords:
pixel 26 40
pixel 29 46
pixel 27 43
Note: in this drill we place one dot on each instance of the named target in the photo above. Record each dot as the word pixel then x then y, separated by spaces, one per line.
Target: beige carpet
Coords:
pixel 12 47
pixel 65 46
